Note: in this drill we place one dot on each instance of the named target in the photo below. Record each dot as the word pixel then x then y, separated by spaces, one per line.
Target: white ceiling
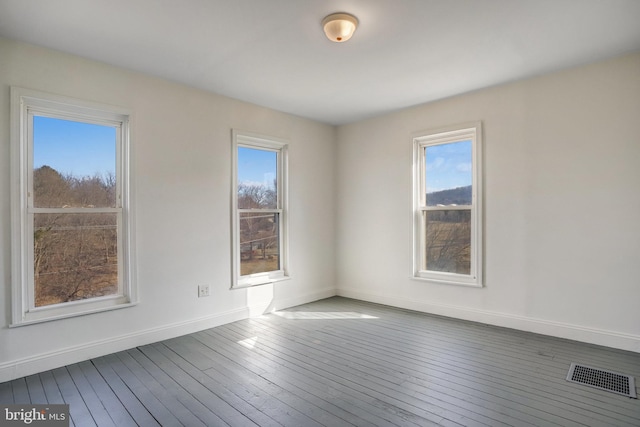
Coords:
pixel 274 53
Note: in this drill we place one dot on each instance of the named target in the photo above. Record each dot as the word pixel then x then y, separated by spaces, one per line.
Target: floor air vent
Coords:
pixel 602 379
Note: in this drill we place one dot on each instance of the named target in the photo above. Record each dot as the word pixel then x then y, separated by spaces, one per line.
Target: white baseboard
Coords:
pixel 605 338
pixel 43 362
pixel 51 360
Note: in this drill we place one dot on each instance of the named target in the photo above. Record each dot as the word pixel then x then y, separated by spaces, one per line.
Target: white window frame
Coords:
pixel 281 147
pixel 421 140
pixel 25 103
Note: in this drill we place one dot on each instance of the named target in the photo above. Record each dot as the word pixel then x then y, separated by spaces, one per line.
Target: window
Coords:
pixel 71 220
pixel 259 219
pixel 447 206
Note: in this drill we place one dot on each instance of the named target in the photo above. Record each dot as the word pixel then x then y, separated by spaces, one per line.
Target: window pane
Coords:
pixel 259 242
pixel 448 241
pixel 257 178
pixel 75 257
pixel 449 173
pixel 74 164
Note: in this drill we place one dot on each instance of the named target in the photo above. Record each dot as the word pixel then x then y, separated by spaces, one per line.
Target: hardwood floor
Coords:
pixel 340 362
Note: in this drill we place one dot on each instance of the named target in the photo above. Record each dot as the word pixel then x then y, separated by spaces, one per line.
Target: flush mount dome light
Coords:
pixel 339 27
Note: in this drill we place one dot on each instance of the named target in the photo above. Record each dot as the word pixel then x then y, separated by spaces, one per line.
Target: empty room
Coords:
pixel 319 213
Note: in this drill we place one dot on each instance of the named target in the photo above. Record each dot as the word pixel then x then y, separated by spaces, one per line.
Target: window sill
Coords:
pixel 449 281
pixel 259 281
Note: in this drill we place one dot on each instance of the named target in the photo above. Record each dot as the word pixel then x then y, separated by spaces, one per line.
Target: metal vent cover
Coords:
pixel 602 379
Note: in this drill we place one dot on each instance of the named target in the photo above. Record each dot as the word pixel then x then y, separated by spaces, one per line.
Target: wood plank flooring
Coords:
pixel 340 362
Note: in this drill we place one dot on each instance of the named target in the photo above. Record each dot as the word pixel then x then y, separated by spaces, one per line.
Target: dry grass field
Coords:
pixel 259 265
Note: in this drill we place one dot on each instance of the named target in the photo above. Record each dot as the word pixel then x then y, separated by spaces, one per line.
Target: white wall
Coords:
pixel 562 206
pixel 181 139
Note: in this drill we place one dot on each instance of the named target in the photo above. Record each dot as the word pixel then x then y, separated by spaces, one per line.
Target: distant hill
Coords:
pixel 454 196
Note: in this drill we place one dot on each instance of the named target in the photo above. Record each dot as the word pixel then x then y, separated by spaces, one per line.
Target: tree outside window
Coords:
pixel 259 210
pixel 447 203
pixel 72 215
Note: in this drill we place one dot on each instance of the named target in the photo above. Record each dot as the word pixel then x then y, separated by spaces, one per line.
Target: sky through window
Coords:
pixel 74 148
pixel 448 166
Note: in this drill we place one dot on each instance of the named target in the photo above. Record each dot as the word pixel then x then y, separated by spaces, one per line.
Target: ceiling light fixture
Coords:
pixel 339 27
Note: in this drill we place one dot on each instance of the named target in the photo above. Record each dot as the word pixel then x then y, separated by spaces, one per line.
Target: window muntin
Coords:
pixel 259 217
pixel 447 200
pixel 71 218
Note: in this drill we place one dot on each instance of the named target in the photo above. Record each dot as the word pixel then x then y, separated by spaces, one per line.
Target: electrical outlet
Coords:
pixel 203 291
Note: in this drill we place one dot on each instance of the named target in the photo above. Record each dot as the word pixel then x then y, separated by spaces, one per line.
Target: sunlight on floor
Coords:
pixel 324 315
pixel 248 342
